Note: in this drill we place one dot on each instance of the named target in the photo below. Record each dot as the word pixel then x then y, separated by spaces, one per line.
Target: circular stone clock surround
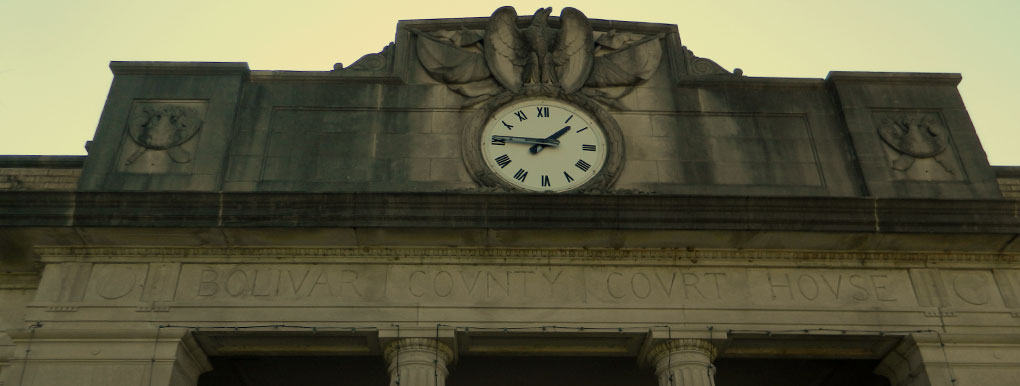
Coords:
pixel 475 158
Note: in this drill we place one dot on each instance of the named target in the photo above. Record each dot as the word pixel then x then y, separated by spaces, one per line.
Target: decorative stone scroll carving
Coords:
pixel 704 66
pixel 538 59
pixel 913 137
pixel 418 362
pixel 164 126
pixel 684 362
pixel 371 62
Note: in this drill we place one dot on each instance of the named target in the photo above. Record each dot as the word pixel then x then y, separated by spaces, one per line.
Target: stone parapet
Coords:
pixel 1009 181
pixel 55 173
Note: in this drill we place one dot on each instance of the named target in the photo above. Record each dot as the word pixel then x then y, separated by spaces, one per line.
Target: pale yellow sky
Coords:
pixel 54 55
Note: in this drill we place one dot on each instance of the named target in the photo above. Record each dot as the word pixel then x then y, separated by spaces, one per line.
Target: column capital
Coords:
pixel 417 344
pixel 680 345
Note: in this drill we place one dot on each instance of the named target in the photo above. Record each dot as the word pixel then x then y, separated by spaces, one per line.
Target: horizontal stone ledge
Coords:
pixel 951 79
pixel 42 161
pixel 508 211
pixel 325 77
pixel 221 253
pixel 179 68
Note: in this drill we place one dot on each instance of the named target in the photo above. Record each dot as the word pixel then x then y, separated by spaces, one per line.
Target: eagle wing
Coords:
pixel 448 63
pixel 628 66
pixel 574 50
pixel 504 48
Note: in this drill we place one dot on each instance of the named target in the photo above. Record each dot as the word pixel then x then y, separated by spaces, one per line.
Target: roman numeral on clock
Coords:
pixel 583 147
pixel 584 166
pixel 521 175
pixel 585 128
pixel 520 115
pixel 543 112
pixel 545 180
pixel 508 126
pixel 498 141
pixel 569 178
pixel 503 160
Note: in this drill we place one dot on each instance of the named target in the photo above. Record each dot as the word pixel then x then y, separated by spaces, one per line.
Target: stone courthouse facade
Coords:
pixel 514 200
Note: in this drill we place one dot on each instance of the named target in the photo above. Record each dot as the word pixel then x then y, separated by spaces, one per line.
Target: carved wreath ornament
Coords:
pixel 164 127
pixel 539 59
pixel 915 137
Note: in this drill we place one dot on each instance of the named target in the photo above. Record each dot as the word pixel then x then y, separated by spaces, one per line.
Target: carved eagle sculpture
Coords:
pixel 518 60
pixel 539 53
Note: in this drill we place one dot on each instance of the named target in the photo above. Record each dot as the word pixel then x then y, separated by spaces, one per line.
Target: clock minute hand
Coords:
pixel 527 140
pixel 538 147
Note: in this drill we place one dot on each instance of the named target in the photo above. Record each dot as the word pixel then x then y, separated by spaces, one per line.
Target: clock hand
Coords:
pixel 527 140
pixel 538 147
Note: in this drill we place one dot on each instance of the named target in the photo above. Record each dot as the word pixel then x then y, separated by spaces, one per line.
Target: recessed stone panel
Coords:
pixel 727 149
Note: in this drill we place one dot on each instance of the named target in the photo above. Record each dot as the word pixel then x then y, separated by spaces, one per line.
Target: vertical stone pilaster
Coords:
pixel 45 357
pixel 418 362
pixel 904 365
pixel 684 362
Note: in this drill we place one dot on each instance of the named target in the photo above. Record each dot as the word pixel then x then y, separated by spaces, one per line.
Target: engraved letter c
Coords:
pixel 410 284
pixel 609 284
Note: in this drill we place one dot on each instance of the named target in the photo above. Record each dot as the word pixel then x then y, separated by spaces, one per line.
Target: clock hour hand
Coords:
pixel 538 147
pixel 527 140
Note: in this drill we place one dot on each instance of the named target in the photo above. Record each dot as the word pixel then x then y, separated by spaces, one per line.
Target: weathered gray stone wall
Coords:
pixel 40 172
pixel 14 299
pixel 165 126
pixel 912 135
pixel 386 124
pixel 344 137
pixel 1008 178
pixel 38 179
pixel 962 315
pixel 1010 187
pixel 754 137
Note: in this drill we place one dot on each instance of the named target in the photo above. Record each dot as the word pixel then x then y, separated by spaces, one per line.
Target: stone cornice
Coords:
pixel 509 211
pixel 479 255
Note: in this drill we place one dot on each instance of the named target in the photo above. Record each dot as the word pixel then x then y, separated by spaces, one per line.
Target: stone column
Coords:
pixel 418 362
pixel 684 362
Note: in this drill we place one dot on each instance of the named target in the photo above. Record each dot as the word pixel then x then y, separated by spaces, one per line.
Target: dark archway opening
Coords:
pixel 296 370
pixel 549 371
pixel 797 372
pixel 534 371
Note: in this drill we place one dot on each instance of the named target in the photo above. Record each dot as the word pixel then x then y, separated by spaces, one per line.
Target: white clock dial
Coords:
pixel 543 145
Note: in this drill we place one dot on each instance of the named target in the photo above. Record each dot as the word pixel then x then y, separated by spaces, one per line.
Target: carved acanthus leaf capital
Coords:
pixel 683 345
pixel 417 344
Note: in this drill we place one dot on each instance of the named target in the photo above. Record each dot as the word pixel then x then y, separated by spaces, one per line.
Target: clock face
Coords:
pixel 543 145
